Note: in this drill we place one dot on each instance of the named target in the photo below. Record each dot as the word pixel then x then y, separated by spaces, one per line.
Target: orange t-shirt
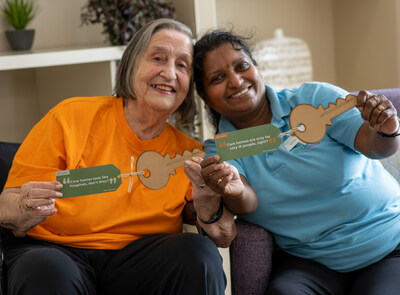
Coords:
pixel 92 131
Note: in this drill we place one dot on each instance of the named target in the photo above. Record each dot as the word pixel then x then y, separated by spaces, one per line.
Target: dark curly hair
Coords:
pixel 210 41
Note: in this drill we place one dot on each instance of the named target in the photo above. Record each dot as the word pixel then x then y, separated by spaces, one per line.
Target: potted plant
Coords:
pixel 19 13
pixel 121 19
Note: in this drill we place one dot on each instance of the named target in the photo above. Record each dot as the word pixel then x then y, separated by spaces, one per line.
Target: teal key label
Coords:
pixel 88 181
pixel 247 142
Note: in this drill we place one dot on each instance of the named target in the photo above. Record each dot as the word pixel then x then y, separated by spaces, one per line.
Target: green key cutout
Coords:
pixel 247 142
pixel 87 181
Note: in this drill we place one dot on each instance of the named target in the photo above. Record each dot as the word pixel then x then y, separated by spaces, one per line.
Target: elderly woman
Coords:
pixel 115 242
pixel 334 211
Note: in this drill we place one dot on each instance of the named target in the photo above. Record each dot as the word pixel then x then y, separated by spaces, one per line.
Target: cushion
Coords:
pixel 392 164
pixel 250 258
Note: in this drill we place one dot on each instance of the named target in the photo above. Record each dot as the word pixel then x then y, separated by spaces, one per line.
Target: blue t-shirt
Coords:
pixel 323 201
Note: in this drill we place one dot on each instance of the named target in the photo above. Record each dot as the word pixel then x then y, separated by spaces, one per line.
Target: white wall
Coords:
pixel 58 24
pixel 310 20
pixel 367 43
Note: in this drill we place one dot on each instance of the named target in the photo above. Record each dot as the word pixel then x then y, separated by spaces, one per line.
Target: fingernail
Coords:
pixel 59 194
pixel 59 186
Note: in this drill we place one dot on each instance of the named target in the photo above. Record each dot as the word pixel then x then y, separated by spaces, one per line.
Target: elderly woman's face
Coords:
pixel 162 78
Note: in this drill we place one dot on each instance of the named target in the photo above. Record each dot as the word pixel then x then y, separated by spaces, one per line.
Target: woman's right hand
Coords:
pixel 223 177
pixel 23 208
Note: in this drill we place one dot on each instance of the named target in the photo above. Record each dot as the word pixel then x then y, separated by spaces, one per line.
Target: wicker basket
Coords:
pixel 284 62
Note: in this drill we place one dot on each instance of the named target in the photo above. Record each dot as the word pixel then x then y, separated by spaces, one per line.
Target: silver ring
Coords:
pixel 203 185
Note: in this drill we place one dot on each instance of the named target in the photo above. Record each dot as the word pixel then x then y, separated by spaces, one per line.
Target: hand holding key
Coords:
pixel 377 110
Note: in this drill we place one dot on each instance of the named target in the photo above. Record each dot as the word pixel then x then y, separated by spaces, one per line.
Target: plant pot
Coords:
pixel 20 39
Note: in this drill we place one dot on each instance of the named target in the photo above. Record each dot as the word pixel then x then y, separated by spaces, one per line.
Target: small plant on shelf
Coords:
pixel 121 19
pixel 19 13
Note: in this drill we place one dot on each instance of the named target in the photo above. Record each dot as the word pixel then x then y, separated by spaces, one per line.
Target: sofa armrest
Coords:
pixel 250 259
pixel 7 152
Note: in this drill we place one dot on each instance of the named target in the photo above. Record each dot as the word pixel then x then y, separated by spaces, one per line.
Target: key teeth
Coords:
pixel 193 153
pixel 339 101
pixel 185 153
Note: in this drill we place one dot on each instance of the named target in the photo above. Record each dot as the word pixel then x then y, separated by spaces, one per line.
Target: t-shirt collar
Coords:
pixel 130 136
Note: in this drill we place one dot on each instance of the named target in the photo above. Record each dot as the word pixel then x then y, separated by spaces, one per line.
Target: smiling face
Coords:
pixel 162 77
pixel 232 84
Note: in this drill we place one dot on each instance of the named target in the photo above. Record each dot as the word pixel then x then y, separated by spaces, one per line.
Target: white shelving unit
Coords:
pixel 33 82
pixel 14 60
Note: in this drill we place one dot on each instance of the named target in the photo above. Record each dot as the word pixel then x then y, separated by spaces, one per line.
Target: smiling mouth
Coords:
pixel 240 93
pixel 163 87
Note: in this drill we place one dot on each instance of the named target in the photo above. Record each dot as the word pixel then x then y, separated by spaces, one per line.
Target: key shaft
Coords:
pixel 335 109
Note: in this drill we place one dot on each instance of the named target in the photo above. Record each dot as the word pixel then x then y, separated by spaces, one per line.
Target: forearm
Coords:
pixel 223 231
pixel 244 204
pixel 383 147
pixel 213 217
pixel 10 211
pixel 375 146
pixel 219 225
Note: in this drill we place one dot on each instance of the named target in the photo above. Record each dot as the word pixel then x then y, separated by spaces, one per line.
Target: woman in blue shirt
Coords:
pixel 333 209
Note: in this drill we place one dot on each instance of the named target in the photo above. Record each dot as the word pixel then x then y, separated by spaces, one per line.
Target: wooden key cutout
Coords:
pixel 159 167
pixel 315 119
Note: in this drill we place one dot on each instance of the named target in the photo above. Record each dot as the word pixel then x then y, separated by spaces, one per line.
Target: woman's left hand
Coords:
pixel 203 195
pixel 378 112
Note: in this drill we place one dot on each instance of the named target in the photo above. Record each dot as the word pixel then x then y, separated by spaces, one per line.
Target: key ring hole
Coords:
pixel 146 173
pixel 301 128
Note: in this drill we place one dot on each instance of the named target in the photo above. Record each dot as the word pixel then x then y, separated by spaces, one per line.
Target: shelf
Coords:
pixel 58 57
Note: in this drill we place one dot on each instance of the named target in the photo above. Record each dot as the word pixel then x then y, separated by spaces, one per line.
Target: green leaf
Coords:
pixel 19 13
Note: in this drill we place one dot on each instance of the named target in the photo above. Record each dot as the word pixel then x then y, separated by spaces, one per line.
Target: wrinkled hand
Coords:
pixel 29 205
pixel 378 111
pixel 200 189
pixel 205 200
pixel 206 203
pixel 223 178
